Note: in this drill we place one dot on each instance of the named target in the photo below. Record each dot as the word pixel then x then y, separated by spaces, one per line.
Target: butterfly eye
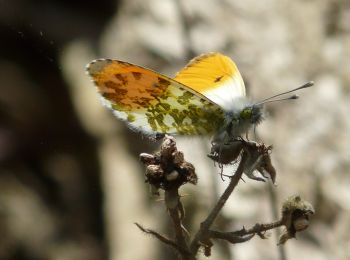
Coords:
pixel 246 113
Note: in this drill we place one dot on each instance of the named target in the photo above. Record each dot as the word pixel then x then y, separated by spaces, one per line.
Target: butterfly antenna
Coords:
pixel 268 100
pixel 281 99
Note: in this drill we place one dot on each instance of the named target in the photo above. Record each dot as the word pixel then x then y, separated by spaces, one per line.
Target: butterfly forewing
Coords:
pixel 215 76
pixel 151 102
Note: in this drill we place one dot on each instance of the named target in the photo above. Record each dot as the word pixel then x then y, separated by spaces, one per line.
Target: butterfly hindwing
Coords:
pixel 151 102
pixel 215 76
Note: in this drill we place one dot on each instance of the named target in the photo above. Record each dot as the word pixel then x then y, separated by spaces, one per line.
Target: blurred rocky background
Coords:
pixel 71 185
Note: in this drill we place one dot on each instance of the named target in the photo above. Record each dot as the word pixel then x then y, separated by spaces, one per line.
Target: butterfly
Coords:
pixel 206 97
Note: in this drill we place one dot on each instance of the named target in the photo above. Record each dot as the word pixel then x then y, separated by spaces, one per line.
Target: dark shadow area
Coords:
pixel 49 170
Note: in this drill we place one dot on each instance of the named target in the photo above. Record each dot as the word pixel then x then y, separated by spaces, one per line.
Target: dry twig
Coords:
pixel 168 170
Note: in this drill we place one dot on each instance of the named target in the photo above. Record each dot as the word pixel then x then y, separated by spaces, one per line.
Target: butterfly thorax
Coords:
pixel 239 119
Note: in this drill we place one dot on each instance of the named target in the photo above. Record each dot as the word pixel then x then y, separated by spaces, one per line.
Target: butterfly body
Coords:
pixel 207 97
pixel 238 120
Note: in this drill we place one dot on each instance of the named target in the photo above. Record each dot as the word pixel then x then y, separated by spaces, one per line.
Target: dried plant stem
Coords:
pixel 176 212
pixel 259 228
pixel 245 234
pixel 161 238
pixel 168 170
pixel 203 231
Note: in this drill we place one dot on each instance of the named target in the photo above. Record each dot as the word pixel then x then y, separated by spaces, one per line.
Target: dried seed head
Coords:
pixel 178 157
pixel 258 157
pixel 154 173
pixel 225 153
pixel 172 176
pixel 167 169
pixel 300 224
pixel 146 158
pixel 295 217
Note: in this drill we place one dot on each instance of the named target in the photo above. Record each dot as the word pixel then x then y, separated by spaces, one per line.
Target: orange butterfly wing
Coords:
pixel 151 102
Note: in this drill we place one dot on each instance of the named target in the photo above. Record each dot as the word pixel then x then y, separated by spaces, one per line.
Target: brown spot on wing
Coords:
pixel 112 85
pixel 121 78
pixel 218 79
pixel 137 75
pixel 129 87
pixel 154 102
pixel 163 82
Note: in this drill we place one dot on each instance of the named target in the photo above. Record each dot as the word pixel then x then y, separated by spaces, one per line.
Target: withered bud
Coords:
pixel 167 169
pixel 266 167
pixel 258 157
pixel 191 176
pixel 146 158
pixel 172 176
pixel 168 147
pixel 295 217
pixel 225 153
pixel 178 157
pixel 301 224
pixel 154 172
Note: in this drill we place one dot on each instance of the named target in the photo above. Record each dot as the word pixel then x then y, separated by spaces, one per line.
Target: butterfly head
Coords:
pixel 241 118
pixel 244 115
pixel 252 113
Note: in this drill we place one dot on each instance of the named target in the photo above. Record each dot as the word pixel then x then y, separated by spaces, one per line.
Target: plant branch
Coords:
pixel 245 234
pixel 230 236
pixel 203 232
pixel 163 239
pixel 176 212
pixel 168 170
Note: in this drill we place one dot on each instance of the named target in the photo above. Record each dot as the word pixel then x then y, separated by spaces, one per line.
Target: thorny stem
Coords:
pixel 236 236
pixel 202 233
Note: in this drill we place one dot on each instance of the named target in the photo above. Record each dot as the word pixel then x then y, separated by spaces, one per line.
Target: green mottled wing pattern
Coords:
pixel 153 103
